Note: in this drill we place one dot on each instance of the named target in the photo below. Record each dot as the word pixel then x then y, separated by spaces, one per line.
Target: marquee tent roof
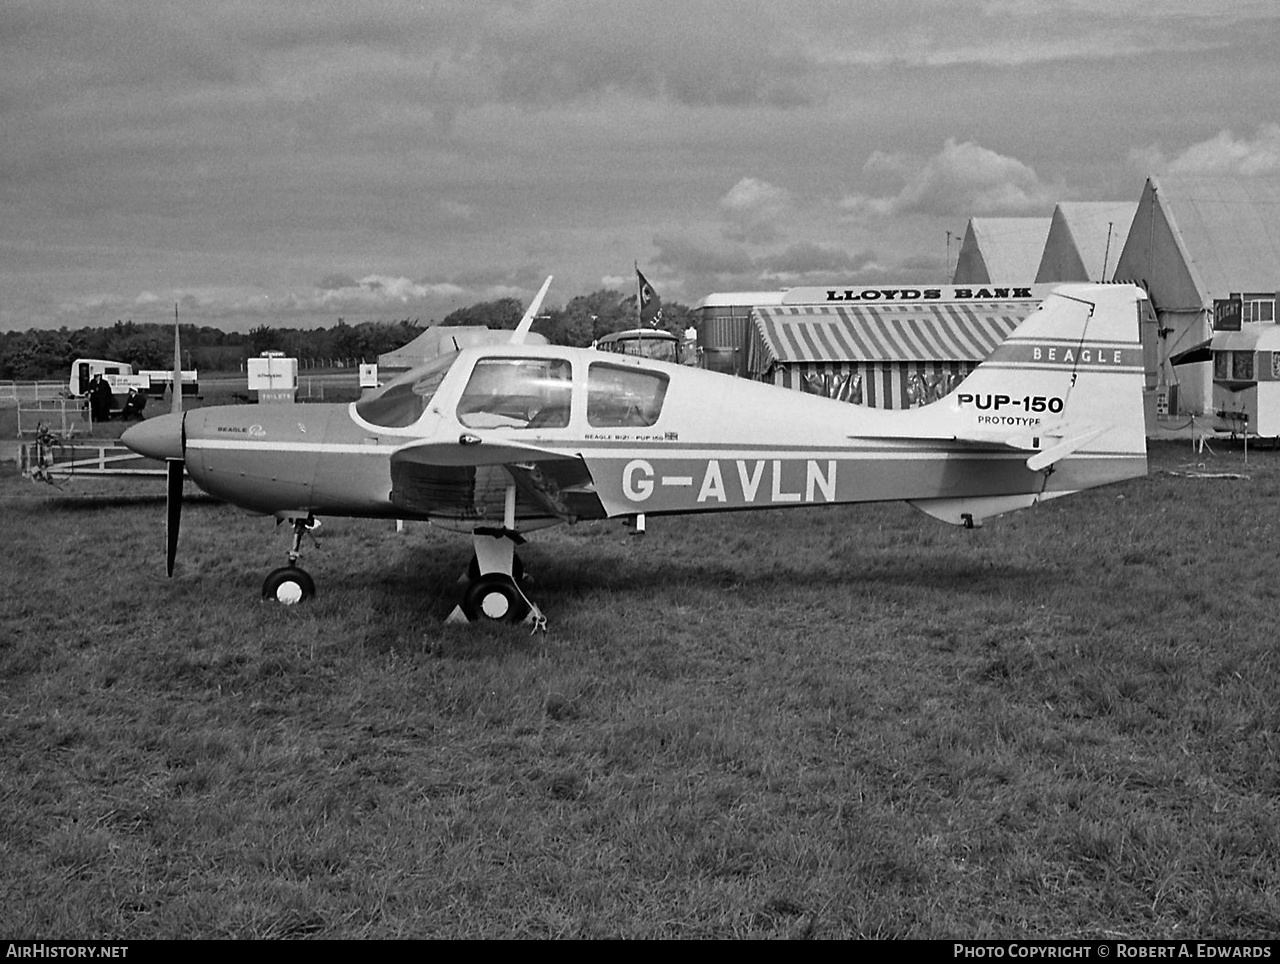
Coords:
pixel 884 333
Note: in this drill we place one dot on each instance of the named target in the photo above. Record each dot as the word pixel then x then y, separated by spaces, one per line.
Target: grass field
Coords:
pixel 815 723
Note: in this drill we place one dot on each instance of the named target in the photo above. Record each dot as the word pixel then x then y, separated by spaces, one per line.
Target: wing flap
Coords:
pixel 541 488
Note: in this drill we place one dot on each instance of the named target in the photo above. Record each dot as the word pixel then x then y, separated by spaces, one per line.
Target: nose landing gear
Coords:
pixel 290 584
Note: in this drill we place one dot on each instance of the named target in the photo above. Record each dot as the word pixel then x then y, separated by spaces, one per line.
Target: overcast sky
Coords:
pixel 266 162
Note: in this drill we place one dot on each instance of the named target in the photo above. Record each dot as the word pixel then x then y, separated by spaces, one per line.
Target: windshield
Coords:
pixel 401 402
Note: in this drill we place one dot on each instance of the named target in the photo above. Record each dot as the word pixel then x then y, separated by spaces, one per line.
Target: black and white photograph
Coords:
pixel 551 469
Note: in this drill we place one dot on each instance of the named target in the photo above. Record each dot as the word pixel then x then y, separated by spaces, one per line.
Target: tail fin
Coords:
pixel 1066 388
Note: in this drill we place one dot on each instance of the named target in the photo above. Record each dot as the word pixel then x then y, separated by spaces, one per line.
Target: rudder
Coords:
pixel 1066 388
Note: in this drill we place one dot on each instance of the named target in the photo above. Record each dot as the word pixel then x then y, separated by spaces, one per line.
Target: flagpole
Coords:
pixel 639 308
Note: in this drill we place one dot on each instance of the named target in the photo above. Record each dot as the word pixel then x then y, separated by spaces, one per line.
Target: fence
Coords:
pixel 11 393
pixel 50 459
pixel 65 416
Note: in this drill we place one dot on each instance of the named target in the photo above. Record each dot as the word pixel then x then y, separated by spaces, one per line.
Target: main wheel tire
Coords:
pixel 494 598
pixel 288 586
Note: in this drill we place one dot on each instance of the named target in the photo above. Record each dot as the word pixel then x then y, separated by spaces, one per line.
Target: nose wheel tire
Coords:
pixel 288 585
pixel 494 597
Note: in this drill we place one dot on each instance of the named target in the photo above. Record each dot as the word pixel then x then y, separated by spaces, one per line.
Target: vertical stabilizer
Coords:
pixel 1073 369
pixel 1066 389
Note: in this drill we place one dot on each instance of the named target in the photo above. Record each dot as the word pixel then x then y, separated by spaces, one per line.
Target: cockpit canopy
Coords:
pixel 516 392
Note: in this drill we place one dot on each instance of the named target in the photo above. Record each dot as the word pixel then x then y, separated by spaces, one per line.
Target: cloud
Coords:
pixel 964 179
pixel 753 210
pixel 1018 33
pixel 336 282
pixel 805 259
pixel 1221 155
pixel 374 293
pixel 337 294
pixel 300 161
pixel 714 53
pixel 683 255
pixel 717 267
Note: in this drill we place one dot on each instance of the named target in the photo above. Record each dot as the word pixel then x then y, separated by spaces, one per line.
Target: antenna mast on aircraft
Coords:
pixel 176 404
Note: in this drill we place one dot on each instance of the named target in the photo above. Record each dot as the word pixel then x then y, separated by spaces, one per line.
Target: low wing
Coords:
pixel 462 479
pixel 470 449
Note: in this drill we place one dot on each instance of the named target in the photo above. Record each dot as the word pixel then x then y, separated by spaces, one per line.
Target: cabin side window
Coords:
pixel 618 396
pixel 517 393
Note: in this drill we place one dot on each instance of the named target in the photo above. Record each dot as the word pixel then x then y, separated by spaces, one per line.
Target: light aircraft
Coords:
pixel 502 439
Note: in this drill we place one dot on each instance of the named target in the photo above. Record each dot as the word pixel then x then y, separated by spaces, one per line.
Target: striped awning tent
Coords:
pixel 896 355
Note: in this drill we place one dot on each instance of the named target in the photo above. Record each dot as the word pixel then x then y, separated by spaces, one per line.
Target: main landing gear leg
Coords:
pixel 289 584
pixel 493 592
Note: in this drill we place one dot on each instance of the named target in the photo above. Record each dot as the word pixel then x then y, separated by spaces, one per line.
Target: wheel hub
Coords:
pixel 495 605
pixel 289 593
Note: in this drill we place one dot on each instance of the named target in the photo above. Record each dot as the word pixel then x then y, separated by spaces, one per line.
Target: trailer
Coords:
pixel 644 342
pixel 121 377
pixel 1246 381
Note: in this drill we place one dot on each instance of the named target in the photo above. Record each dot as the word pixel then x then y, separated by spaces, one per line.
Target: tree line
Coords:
pixel 48 354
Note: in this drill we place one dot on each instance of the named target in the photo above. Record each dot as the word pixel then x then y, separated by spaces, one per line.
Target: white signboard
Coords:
pixel 272 373
pixel 120 384
pixel 369 376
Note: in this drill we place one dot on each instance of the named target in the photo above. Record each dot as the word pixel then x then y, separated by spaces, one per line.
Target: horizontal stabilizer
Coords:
pixel 1042 460
pixel 1030 440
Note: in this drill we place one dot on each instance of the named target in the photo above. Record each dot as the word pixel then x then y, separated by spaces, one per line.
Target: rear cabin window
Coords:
pixel 618 396
pixel 517 393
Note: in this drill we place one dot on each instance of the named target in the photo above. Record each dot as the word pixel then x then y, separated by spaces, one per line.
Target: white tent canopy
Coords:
pixel 1085 240
pixel 1001 251
pixel 444 338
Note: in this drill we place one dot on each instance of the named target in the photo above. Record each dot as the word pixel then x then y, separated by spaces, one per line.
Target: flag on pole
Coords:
pixel 649 304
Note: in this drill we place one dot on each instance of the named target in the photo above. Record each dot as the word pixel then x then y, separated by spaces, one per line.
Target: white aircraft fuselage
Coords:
pixel 504 438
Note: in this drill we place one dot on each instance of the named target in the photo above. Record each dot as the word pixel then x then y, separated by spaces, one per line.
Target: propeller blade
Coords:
pixel 173 510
